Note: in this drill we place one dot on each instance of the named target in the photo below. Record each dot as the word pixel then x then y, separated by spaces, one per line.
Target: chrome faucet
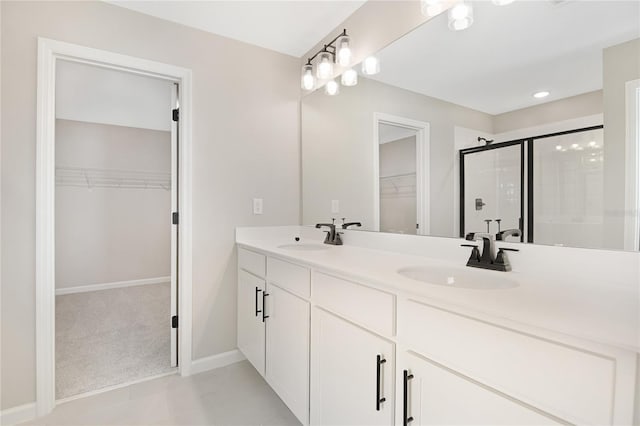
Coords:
pixel 487 259
pixel 332 237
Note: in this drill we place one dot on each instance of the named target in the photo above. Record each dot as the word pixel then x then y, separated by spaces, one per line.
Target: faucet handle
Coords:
pixel 475 253
pixel 502 259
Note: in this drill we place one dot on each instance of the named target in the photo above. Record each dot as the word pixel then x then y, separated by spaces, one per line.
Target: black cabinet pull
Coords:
pixel 264 306
pixel 257 310
pixel 405 402
pixel 379 362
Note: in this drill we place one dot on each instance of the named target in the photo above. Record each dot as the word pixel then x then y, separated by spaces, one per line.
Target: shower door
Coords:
pixel 568 188
pixel 491 189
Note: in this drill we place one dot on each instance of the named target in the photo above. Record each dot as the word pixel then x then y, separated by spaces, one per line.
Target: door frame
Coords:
pixel 632 169
pixel 422 129
pixel 49 51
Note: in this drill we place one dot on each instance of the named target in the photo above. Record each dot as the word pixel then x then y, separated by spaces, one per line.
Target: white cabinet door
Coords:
pixel 438 396
pixel 288 349
pixel 250 321
pixel 346 388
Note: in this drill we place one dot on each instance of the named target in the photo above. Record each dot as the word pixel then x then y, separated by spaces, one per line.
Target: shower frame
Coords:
pixel 526 167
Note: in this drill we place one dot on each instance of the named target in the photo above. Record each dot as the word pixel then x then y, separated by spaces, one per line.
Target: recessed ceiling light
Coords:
pixel 559 147
pixel 540 95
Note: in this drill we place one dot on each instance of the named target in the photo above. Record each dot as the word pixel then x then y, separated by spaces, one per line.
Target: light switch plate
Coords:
pixel 335 206
pixel 257 206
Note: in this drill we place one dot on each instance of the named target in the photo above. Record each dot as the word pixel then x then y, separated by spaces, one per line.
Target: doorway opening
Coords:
pixel 401 175
pixel 78 161
pixel 115 245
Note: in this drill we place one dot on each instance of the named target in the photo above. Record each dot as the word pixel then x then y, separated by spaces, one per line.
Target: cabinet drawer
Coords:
pixel 572 384
pixel 252 262
pixel 292 277
pixel 367 306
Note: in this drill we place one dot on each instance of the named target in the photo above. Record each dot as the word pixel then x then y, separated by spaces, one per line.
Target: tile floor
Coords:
pixel 232 395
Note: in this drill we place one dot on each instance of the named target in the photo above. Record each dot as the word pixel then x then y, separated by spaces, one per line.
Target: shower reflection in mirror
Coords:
pixel 548 187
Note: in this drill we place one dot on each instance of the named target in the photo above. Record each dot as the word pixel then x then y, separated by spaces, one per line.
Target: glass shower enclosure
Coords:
pixel 549 187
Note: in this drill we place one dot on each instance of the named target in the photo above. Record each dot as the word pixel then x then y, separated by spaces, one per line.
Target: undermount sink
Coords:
pixel 304 246
pixel 458 277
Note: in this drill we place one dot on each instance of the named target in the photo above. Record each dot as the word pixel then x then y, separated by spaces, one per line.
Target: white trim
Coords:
pixel 216 361
pixel 423 148
pixel 19 414
pixel 49 51
pixel 108 286
pixel 632 167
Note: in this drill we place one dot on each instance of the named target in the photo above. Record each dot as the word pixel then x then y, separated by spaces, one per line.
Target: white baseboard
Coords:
pixel 19 414
pixel 108 286
pixel 216 361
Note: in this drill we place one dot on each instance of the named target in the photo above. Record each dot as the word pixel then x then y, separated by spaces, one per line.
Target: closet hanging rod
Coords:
pixel 111 178
pixel 398 175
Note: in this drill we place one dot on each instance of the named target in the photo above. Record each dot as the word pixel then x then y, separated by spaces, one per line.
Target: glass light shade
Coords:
pixel 344 51
pixel 331 88
pixel 324 69
pixel 461 16
pixel 431 8
pixel 371 66
pixel 308 81
pixel 349 77
pixel 501 2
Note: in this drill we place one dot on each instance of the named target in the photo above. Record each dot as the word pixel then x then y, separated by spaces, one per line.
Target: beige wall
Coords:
pixel 550 112
pixel 337 152
pixel 245 127
pixel 621 64
pixel 106 235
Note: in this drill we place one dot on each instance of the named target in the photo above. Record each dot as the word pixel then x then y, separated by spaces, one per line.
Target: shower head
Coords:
pixel 485 140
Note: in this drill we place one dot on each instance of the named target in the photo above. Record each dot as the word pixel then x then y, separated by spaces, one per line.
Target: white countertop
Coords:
pixel 604 314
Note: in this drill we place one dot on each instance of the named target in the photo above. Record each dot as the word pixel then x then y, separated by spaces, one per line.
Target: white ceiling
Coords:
pixel 101 95
pixel 291 27
pixel 511 52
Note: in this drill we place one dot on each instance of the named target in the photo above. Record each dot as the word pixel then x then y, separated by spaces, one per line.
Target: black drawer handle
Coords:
pixel 379 362
pixel 257 310
pixel 264 306
pixel 406 419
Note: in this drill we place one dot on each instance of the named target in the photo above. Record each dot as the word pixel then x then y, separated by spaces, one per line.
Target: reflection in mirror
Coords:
pixel 398 186
pixel 455 136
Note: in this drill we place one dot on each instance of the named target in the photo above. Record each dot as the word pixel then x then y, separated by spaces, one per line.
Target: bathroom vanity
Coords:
pixel 356 335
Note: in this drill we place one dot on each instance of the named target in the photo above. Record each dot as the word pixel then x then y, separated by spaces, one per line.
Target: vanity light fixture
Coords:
pixel 308 80
pixel 349 77
pixel 431 8
pixel 501 2
pixel 461 16
pixel 338 51
pixel 540 95
pixel 331 88
pixel 371 65
pixel 344 50
pixel 324 70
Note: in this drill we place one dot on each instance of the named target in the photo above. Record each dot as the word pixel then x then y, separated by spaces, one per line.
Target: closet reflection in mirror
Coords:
pixel 448 139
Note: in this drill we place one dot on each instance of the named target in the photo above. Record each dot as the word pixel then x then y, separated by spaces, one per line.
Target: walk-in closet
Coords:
pixel 113 242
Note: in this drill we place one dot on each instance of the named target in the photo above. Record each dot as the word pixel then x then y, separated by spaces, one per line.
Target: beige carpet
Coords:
pixel 109 337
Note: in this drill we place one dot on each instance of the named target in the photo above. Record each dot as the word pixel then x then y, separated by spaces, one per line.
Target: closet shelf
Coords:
pixel 109 178
pixel 398 175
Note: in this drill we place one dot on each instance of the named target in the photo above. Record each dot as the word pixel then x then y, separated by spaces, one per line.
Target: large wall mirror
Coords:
pixel 524 125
